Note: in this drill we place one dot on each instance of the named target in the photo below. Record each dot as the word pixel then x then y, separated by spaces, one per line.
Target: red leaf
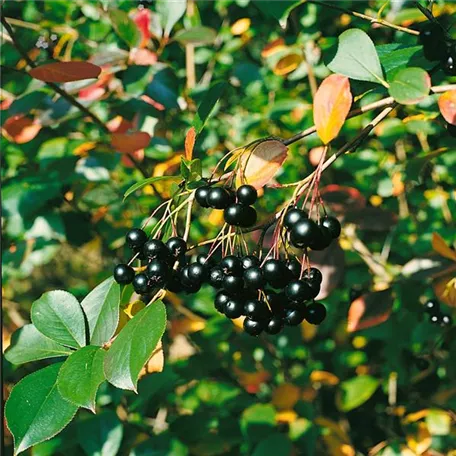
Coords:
pixel 119 125
pixel 190 143
pixel 331 106
pixel 142 20
pixel 447 105
pixel 130 142
pixel 65 71
pixel 369 310
pixel 20 129
pixel 137 154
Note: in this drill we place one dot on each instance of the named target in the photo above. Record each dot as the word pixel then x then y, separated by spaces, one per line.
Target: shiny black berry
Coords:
pixel 274 326
pixel 298 291
pixel 315 313
pixel 322 240
pixel 234 308
pixel 204 260
pixel 294 267
pixel 201 196
pixel 294 317
pixel 177 246
pixel 136 238
pixel 293 216
pixel 257 310
pixel 141 284
pixel 221 298
pixel 277 303
pixel 253 278
pixel 197 272
pixel 247 194
pixel 216 276
pixel 435 319
pixel 249 217
pixel 249 261
pixel 253 327
pixel 233 284
pixel 432 306
pixel 157 271
pixel 313 275
pixel 449 65
pixel 276 273
pixel 446 320
pixel 123 274
pixel 303 233
pixel 232 265
pixel 333 226
pixel 174 283
pixel 239 215
pixel 218 198
pixel 155 249
pixel 189 286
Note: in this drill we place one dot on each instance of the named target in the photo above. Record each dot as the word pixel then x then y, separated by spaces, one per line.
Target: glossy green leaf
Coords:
pixel 125 27
pixel 208 104
pixel 356 392
pixel 81 375
pixel 58 315
pixel 357 58
pixel 150 180
pixel 170 11
pixel 35 410
pixel 196 36
pixel 274 445
pixel 101 435
pixel 410 85
pixel 28 344
pixel 134 345
pixel 101 307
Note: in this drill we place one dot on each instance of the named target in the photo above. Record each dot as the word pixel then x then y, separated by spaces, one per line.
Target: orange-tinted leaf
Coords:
pixel 138 155
pixel 370 309
pixel 331 106
pixel 65 71
pixel 447 105
pixel 119 125
pixel 130 142
pixel 190 143
pixel 287 64
pixel 261 161
pixel 152 102
pixel 285 396
pixel 155 363
pixel 286 416
pixel 273 47
pixel 324 377
pixel 240 26
pixel 142 20
pixel 442 248
pixel 420 442
pixel 142 57
pixel 20 129
pixel 445 289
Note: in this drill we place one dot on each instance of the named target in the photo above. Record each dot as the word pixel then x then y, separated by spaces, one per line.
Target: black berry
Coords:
pixel 221 298
pixel 256 309
pixel 315 313
pixel 157 271
pixel 247 194
pixel 274 326
pixel 239 215
pixel 154 249
pixel 294 317
pixel 216 276
pixel 123 274
pixel 276 273
pixel 293 216
pixel 218 198
pixel 231 265
pixel 333 226
pixel 446 320
pixel 141 284
pixel 234 308
pixel 303 233
pixel 432 306
pixel 313 275
pixel 435 319
pixel 253 278
pixel 249 261
pixel 136 238
pixel 177 246
pixel 294 267
pixel 233 284
pixel 253 327
pixel 449 65
pixel 322 240
pixel 197 272
pixel 204 260
pixel 298 291
pixel 201 196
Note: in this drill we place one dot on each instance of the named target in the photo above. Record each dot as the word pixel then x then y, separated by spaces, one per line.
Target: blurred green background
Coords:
pixel 387 386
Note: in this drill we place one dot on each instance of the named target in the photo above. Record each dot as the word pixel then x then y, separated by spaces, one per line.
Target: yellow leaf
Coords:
pixel 416 416
pixel 235 154
pixel 190 143
pixel 123 320
pixel 260 162
pixel 287 64
pixel 155 363
pixel 442 248
pixel 273 47
pixel 332 103
pixel 420 442
pixel 82 149
pixel 447 106
pixel 445 290
pixel 308 331
pixel 240 26
pixel 216 218
pixel 186 326
pixel 133 308
pixel 285 396
pixel 286 416
pixel 324 377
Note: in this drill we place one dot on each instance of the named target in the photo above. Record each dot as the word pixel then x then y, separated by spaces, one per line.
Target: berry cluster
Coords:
pixel 432 307
pixel 305 233
pixel 237 207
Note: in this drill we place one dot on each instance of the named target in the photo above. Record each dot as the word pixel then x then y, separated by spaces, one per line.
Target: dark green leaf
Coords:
pixel 279 10
pixel 196 36
pixel 35 410
pixel 410 85
pixel 134 345
pixel 151 180
pixel 81 375
pixel 58 315
pixel 274 445
pixel 415 166
pixel 258 421
pixel 357 58
pixel 28 344
pixel 101 307
pixel 208 104
pixel 125 27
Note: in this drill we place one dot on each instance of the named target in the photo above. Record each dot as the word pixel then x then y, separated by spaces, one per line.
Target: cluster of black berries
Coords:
pixel 45 43
pixel 432 307
pixel 305 233
pixel 237 207
pixel 437 46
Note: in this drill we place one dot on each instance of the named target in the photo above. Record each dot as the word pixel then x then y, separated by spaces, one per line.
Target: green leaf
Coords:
pixel 278 10
pixel 415 166
pixel 410 85
pixel 196 36
pixel 357 58
pixel 35 410
pixel 134 345
pixel 101 307
pixel 125 27
pixel 150 180
pixel 58 315
pixel 28 344
pixel 438 422
pixel 170 11
pixel 81 375
pixel 207 105
pixel 258 421
pixel 191 170
pixel 356 391
pixel 273 445
pixel 101 435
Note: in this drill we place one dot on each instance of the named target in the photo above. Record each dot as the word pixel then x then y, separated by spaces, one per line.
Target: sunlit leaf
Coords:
pixel 20 129
pixel 240 26
pixel 445 289
pixel 442 248
pixel 65 71
pixel 190 143
pixel 130 142
pixel 356 391
pixel 410 85
pixel 447 106
pixel 287 64
pixel 331 106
